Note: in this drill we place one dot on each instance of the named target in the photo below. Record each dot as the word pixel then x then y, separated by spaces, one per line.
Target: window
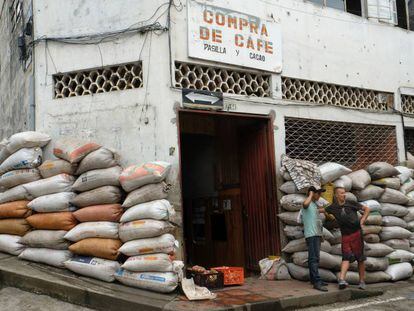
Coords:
pixel 350 6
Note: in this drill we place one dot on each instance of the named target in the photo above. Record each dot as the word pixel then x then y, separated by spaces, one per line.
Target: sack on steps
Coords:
pixel 52 257
pixel 11 244
pixel 400 271
pixel 94 267
pixel 162 282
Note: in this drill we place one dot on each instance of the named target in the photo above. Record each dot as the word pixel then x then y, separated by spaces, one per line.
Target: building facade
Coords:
pixel 324 81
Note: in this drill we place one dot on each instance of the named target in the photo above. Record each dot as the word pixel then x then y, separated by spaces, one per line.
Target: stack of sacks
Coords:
pixel 53 218
pixel 145 230
pixel 20 155
pixel 95 238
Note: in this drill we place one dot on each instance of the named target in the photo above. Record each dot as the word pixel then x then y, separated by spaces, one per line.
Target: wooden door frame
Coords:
pixel 272 162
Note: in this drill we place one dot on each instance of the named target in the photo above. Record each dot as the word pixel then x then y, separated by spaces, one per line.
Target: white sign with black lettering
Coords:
pixel 231 37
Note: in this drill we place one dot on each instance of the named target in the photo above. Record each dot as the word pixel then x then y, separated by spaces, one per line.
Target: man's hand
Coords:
pixel 308 200
pixel 365 216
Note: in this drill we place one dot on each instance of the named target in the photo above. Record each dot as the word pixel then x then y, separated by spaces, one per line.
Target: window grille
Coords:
pixel 335 95
pixel 409 139
pixel 354 145
pixel 215 79
pixel 102 80
pixel 407 104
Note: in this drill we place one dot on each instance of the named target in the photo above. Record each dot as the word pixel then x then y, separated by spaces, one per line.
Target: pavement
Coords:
pixel 254 295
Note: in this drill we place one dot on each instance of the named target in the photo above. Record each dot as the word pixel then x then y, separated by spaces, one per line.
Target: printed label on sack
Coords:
pixel 85 260
pixel 150 277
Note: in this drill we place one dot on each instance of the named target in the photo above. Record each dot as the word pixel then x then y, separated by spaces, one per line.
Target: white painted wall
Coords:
pixel 319 44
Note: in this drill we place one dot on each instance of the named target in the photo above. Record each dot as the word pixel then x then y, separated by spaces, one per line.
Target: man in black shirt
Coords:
pixel 345 213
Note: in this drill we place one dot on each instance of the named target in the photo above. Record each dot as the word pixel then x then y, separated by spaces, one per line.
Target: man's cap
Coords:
pixel 313 189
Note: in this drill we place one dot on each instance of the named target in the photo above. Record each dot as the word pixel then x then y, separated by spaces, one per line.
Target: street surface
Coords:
pixel 401 299
pixel 13 299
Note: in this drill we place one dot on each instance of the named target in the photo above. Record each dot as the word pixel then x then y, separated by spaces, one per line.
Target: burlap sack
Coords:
pixel 105 212
pixel 102 248
pixel 16 209
pixel 53 221
pixel 16 226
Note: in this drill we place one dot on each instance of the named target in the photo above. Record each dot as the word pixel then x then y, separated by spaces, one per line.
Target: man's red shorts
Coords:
pixel 353 247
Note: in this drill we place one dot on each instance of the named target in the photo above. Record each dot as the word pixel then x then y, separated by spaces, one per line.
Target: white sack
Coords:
pixel 55 184
pixel 146 228
pixel 165 243
pixel 146 193
pixel 23 158
pixel 289 218
pixel 149 263
pixel 97 268
pixel 11 244
pixel 98 178
pixel 73 149
pixel 162 282
pixel 56 202
pixel 93 229
pixel 343 182
pixel 405 173
pixel 373 205
pixel 331 171
pixel 27 139
pixel 360 179
pixel 98 159
pixel 389 209
pixel 391 221
pixel 388 233
pixel 51 168
pixel 17 177
pixel 159 210
pixel 400 271
pixel 289 187
pixel 15 194
pixel 393 196
pixel 47 256
pixel 98 196
pixel 46 239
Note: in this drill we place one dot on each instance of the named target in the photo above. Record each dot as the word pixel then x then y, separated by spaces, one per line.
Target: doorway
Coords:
pixel 228 188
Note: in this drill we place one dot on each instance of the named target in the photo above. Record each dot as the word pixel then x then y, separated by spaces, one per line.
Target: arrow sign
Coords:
pixel 202 99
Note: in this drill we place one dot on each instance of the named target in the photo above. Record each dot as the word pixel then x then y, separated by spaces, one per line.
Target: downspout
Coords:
pixel 32 100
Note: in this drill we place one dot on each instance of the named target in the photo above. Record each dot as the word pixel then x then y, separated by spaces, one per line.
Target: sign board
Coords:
pixel 226 36
pixel 202 99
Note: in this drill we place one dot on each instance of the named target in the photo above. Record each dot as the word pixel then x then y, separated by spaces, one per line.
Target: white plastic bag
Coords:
pixel 11 244
pixel 273 269
pixel 56 202
pixel 331 171
pixel 48 256
pixel 373 205
pixel 97 268
pixel 55 184
pixel 159 210
pixel 146 228
pixel 93 229
pixel 162 282
pixel 165 243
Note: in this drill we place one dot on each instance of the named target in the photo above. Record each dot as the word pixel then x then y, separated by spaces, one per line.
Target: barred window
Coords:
pixel 102 80
pixel 216 79
pixel 409 139
pixel 407 104
pixel 354 145
pixel 335 95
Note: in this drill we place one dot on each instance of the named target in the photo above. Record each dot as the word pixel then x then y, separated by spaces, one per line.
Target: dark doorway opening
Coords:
pixel 228 188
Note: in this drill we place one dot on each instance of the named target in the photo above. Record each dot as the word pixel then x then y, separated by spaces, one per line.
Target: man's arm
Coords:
pixel 365 215
pixel 308 200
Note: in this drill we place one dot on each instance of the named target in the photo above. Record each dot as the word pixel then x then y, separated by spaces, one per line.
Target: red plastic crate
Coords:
pixel 232 275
